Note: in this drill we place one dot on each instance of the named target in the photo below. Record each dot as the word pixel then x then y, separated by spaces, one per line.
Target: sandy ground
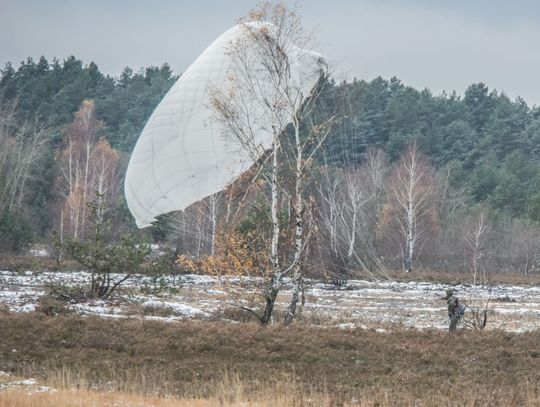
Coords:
pixel 378 305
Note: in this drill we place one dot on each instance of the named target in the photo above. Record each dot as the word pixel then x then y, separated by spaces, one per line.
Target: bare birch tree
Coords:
pixel 89 169
pixel 451 202
pixel 409 212
pixel 19 152
pixel 475 239
pixel 519 245
pixel 528 247
pixel 264 77
pixel 212 204
pixel 330 208
pixel 76 157
pixel 349 209
pixel 104 177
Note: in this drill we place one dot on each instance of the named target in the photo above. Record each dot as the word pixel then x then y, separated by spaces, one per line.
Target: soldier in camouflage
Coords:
pixel 455 310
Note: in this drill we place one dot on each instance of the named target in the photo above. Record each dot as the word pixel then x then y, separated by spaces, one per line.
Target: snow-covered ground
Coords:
pixel 378 305
pixel 7 381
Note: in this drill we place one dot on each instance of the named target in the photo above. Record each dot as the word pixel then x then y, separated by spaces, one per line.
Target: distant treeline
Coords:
pixel 51 92
pixel 491 143
pixel 487 144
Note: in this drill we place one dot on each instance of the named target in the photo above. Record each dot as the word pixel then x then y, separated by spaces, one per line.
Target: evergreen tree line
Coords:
pixel 490 143
pixel 482 144
pixel 38 103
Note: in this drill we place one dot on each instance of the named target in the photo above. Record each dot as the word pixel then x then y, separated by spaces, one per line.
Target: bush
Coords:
pixel 51 306
pixel 15 232
pixel 102 256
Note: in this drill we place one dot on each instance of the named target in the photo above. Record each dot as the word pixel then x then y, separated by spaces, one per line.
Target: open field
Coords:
pixel 122 358
pixel 180 341
pixel 355 303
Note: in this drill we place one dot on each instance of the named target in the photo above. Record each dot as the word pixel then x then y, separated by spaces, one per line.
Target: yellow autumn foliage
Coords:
pixel 234 255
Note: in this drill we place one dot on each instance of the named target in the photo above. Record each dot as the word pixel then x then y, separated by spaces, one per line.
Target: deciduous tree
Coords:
pixel 264 77
pixel 409 213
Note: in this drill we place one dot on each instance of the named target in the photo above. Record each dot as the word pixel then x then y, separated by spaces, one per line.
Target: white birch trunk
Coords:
pixel 299 228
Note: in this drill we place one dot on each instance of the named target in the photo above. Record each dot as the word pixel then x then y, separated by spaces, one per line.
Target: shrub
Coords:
pixel 15 232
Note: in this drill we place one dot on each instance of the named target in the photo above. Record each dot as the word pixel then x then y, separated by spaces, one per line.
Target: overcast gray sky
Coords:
pixel 442 45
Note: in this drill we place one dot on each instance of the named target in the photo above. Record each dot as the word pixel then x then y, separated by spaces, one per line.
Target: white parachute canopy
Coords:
pixel 183 153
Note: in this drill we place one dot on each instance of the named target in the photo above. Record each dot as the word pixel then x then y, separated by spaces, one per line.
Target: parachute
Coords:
pixel 183 153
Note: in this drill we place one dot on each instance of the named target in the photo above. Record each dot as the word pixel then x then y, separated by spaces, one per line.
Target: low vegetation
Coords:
pixel 244 361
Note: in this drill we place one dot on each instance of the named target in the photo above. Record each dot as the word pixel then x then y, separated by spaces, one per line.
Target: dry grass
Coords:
pixel 19 263
pixel 446 277
pixel 24 262
pixel 83 398
pixel 231 391
pixel 229 394
pixel 246 362
pixel 89 398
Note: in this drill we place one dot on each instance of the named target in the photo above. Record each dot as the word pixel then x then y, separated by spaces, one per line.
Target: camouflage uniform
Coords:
pixel 455 309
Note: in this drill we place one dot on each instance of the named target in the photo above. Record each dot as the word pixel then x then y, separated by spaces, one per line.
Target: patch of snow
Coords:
pixel 45 389
pixel 346 325
pixel 38 252
pixel 356 303
pixel 27 382
pixel 178 308
pixel 27 308
pixel 160 319
pixel 215 292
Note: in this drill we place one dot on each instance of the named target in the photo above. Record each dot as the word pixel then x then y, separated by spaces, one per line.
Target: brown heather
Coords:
pixel 222 363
